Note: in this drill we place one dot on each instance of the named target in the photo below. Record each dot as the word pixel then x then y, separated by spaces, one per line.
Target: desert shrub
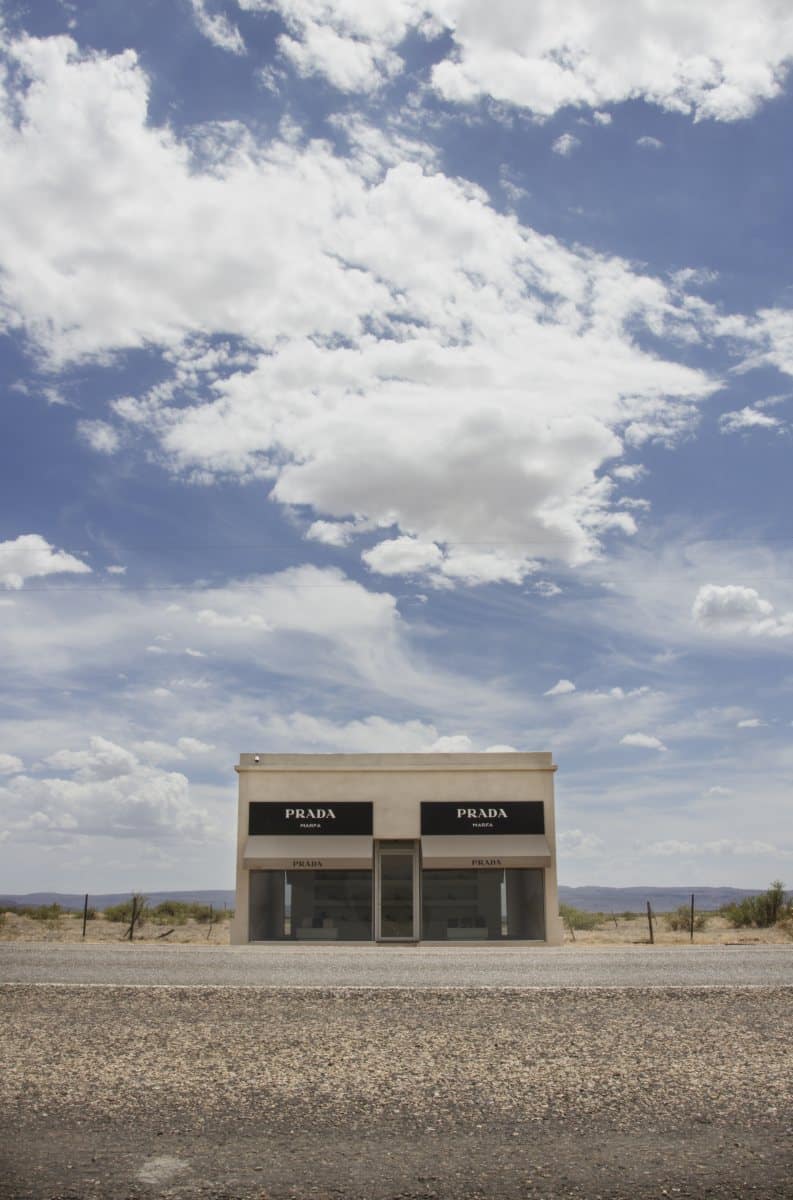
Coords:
pixel 40 912
pixel 177 912
pixel 576 918
pixel 762 911
pixel 680 919
pixel 169 912
pixel 119 912
pixel 123 911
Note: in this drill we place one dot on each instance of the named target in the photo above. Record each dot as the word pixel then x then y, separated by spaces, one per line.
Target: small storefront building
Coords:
pixel 396 848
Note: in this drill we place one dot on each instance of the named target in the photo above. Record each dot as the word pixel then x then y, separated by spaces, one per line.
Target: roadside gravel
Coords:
pixel 118 1092
pixel 398 966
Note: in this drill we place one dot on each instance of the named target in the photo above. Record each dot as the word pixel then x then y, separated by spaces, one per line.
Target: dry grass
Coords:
pixel 68 928
pixel 612 931
pixel 621 931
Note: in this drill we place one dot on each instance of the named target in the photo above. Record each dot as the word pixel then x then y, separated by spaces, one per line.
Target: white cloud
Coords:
pixel 747 418
pixel 645 741
pixel 547 587
pixel 769 331
pixel 100 436
pixel 649 143
pixel 733 609
pixel 722 847
pixel 116 569
pixel 152 751
pixel 217 28
pixel 629 472
pixel 103 790
pixel 565 144
pixel 575 843
pixel 102 760
pixel 562 688
pixel 671 848
pixel 402 556
pixel 730 846
pixel 601 118
pixel 718 62
pixel 750 723
pixel 468 394
pixel 718 790
pixel 191 745
pixel 30 556
pixel 10 764
pixel 369 735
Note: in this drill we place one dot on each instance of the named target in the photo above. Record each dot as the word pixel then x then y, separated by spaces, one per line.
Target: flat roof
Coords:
pixel 499 761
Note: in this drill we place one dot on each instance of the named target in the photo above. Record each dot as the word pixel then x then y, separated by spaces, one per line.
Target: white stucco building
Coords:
pixel 396 848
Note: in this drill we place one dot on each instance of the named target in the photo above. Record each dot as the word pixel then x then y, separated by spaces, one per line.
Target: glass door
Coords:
pixel 397 886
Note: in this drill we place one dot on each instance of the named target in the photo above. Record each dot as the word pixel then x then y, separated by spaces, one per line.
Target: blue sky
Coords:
pixel 398 377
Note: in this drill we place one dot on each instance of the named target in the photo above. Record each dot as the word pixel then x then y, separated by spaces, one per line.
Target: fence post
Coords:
pixel 650 923
pixel 691 925
pixel 85 913
pixel 134 915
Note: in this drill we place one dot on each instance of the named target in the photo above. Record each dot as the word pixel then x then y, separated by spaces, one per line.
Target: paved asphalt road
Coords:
pixel 404 966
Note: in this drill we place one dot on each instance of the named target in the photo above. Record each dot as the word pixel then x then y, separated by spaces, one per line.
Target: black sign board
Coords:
pixel 453 819
pixel 321 820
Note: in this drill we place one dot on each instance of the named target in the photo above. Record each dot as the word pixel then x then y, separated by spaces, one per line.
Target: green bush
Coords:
pixel 576 918
pixel 39 912
pixel 680 919
pixel 763 911
pixel 177 912
pixel 123 911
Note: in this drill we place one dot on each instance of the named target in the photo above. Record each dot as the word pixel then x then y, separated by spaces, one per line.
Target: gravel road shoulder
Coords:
pixel 115 1092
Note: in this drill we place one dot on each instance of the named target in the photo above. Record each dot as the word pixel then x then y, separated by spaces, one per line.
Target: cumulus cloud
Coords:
pixel 716 63
pixel 724 846
pixel 565 144
pixel 369 735
pixel 217 28
pixel 99 435
pixel 10 764
pixel 649 143
pixel 191 745
pixel 750 723
pixel 467 395
pixel 768 336
pixel 30 556
pixel 645 741
pixel 747 418
pixel 102 789
pixel 562 688
pixel 575 843
pixel 733 609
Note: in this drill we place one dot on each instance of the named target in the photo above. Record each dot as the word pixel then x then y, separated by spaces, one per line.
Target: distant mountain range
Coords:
pixel 591 899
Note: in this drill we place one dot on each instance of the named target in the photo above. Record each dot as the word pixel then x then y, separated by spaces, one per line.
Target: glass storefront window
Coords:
pixel 311 906
pixel 482 904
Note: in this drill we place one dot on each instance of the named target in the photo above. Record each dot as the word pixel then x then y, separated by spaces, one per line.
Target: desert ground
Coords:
pixel 612 930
